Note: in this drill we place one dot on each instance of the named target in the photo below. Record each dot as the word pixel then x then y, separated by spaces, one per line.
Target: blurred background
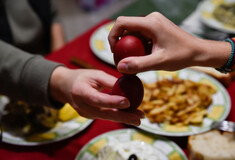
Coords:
pixel 77 16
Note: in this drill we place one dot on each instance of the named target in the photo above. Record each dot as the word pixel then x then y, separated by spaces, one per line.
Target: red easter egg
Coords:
pixel 131 87
pixel 128 46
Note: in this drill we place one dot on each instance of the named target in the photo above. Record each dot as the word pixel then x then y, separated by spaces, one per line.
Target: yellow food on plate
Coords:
pixel 176 101
pixel 41 137
pixel 67 113
pixel 225 13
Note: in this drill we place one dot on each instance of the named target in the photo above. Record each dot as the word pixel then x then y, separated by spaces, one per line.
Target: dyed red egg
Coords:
pixel 128 46
pixel 131 87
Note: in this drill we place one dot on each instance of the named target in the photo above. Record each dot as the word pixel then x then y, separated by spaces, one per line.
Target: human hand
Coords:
pixel 172 48
pixel 82 89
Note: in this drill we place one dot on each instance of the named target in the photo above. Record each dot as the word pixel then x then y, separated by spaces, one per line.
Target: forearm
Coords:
pixel 57 36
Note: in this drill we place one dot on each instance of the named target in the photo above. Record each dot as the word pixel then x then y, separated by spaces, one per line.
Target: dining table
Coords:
pixel 80 49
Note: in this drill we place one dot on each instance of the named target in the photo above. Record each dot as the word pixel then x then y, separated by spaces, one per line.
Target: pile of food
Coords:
pixel 225 13
pixel 132 150
pixel 176 101
pixel 22 119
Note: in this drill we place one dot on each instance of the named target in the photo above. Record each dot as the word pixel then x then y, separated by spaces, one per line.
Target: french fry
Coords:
pixel 176 101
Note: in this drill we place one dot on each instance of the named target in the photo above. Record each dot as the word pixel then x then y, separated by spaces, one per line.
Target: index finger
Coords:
pixel 122 23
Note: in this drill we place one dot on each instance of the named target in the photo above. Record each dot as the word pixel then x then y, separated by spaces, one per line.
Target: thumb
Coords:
pixel 133 65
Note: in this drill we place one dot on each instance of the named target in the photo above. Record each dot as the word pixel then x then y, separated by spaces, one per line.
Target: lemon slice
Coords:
pixel 67 113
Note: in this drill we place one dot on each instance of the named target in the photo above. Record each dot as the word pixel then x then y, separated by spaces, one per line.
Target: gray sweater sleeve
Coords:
pixel 24 76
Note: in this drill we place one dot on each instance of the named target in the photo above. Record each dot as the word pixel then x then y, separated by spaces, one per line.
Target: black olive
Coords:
pixel 133 157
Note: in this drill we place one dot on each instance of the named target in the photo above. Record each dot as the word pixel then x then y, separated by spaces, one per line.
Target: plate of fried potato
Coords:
pixel 182 103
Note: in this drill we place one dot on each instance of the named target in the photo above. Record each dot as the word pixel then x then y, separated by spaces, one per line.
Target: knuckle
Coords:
pixel 120 21
pixel 155 19
pixel 94 99
pixel 156 14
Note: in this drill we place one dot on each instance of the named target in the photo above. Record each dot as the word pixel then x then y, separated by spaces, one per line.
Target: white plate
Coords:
pixel 217 111
pixel 99 43
pixel 61 131
pixel 166 149
pixel 206 9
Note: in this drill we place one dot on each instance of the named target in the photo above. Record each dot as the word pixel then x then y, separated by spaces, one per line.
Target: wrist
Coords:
pixel 211 53
pixel 57 86
pixel 229 65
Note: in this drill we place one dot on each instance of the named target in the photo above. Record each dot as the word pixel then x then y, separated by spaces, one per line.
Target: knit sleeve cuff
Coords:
pixel 35 79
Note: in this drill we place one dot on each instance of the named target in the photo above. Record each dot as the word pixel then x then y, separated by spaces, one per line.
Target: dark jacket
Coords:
pixel 41 7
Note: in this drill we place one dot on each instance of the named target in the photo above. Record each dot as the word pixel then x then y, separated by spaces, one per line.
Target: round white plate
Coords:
pixel 217 111
pixel 206 9
pixel 166 149
pixel 99 43
pixel 61 131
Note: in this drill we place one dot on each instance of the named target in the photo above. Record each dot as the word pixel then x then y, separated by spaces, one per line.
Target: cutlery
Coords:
pixel 227 126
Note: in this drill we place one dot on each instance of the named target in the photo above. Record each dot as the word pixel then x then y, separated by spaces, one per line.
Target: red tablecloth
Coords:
pixel 69 148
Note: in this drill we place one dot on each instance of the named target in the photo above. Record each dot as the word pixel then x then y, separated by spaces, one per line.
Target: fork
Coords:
pixel 228 126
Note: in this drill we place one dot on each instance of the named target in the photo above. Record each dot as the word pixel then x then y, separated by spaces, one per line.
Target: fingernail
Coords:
pixel 123 66
pixel 124 103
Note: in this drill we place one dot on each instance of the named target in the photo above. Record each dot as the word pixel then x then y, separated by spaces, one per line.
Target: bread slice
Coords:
pixel 212 145
pixel 225 79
